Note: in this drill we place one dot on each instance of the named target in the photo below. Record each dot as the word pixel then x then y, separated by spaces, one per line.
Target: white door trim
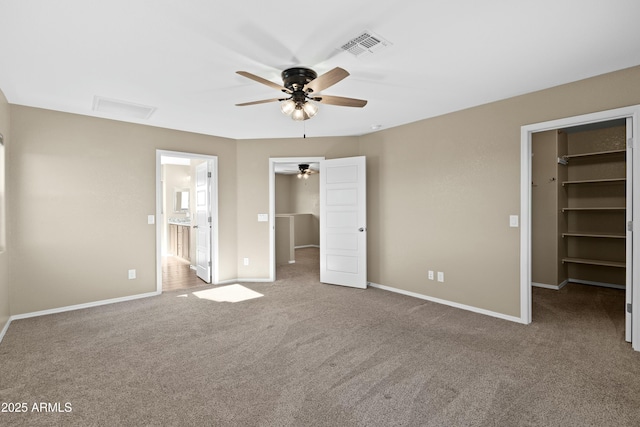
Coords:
pixel 213 200
pixel 272 204
pixel 632 112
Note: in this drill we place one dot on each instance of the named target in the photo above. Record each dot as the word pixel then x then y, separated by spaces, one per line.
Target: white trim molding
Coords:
pixel 83 306
pixel 601 284
pixel 546 286
pixel 5 329
pixel 446 302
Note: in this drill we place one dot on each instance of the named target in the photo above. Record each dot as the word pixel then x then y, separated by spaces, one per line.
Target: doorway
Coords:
pixel 186 220
pixel 576 210
pixel 343 216
pixel 298 227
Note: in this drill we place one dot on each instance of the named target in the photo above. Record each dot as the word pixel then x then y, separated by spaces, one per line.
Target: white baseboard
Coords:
pixel 5 329
pixel 601 284
pixel 228 281
pixel 554 287
pixel 578 281
pixel 449 303
pixel 82 306
pixel 224 282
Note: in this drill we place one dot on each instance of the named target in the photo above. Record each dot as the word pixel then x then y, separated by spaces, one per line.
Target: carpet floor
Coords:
pixel 308 354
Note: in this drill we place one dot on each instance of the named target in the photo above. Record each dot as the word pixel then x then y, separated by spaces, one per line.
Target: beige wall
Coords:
pixel 283 194
pixel 300 196
pixel 440 192
pixel 5 311
pixel 81 189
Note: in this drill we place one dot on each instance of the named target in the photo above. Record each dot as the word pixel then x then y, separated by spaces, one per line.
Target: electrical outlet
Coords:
pixel 431 275
pixel 132 274
pixel 440 276
pixel 246 261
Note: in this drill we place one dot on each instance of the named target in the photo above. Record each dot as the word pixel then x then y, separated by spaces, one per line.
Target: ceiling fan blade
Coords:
pixel 263 101
pixel 340 100
pixel 326 80
pixel 263 81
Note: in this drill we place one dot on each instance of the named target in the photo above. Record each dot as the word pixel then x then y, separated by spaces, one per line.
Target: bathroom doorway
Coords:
pixel 186 226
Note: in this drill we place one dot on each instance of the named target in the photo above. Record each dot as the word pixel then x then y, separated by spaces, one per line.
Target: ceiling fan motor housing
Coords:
pixel 295 78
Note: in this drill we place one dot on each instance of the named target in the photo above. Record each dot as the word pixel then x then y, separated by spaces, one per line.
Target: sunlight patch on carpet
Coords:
pixel 230 293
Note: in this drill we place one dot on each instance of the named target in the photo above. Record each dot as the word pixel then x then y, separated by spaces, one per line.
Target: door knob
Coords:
pixel 362 229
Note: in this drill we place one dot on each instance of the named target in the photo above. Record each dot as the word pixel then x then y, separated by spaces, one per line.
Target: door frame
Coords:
pixel 272 204
pixel 213 205
pixel 632 112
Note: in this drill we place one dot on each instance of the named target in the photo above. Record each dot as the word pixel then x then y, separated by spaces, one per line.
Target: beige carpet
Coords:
pixel 307 354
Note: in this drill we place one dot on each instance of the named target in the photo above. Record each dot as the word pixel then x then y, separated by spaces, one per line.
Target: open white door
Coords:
pixel 343 222
pixel 203 222
pixel 629 240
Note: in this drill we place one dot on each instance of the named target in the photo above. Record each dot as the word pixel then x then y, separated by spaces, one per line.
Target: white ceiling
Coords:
pixel 180 56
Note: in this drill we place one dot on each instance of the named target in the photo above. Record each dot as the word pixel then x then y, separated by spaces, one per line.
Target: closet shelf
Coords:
pixel 596 153
pixel 594 262
pixel 595 181
pixel 607 236
pixel 604 209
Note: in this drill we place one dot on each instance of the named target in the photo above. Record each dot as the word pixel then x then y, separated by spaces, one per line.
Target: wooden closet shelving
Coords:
pixel 601 235
pixel 594 262
pixel 595 181
pixel 595 158
pixel 603 209
pixel 595 153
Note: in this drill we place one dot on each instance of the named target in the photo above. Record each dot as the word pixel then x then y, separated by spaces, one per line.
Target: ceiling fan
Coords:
pixel 302 170
pixel 302 86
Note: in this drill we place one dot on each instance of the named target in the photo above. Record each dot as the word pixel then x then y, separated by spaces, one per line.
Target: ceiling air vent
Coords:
pixel 122 108
pixel 366 43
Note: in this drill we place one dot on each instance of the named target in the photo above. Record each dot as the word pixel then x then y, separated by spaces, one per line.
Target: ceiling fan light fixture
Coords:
pixel 299 114
pixel 288 106
pixel 310 108
pixel 305 171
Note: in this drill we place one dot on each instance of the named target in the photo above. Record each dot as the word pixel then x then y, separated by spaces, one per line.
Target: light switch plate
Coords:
pixel 263 217
pixel 151 219
pixel 513 220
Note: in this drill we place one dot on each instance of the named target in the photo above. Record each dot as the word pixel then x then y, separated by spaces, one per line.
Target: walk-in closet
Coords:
pixel 579 206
